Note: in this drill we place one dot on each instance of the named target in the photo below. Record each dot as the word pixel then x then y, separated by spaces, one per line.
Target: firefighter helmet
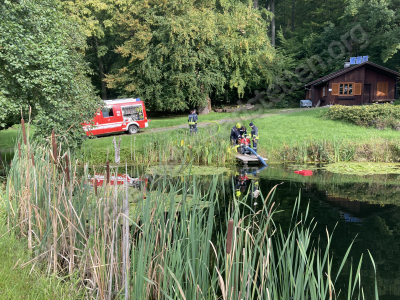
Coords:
pixel 238 126
pixel 238 193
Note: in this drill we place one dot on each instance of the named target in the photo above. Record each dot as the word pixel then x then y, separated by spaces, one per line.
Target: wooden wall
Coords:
pixel 373 77
pixel 356 76
pixel 367 75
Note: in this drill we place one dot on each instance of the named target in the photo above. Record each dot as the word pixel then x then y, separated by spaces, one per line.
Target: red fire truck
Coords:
pixel 118 115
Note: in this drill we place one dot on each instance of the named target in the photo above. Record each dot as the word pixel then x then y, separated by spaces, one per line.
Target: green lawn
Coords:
pixel 274 131
pixel 212 116
pixel 16 282
pixel 310 125
pixel 9 136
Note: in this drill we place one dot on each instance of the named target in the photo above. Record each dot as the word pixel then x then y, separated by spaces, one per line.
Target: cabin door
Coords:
pixel 367 93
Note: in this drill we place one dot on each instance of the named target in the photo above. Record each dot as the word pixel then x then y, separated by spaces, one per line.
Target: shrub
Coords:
pixel 379 115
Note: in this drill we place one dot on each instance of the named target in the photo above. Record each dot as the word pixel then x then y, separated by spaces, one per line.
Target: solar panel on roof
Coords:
pixel 359 60
pixel 352 60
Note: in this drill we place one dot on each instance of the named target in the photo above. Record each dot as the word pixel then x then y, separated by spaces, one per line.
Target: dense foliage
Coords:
pixel 42 66
pixel 180 52
pixel 379 115
pixel 315 38
pixel 176 54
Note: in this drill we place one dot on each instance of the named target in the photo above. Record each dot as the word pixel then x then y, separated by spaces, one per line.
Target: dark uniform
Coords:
pixel 243 131
pixel 235 134
pixel 192 120
pixel 254 136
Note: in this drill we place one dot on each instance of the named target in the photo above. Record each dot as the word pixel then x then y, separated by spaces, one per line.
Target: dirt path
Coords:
pixel 223 121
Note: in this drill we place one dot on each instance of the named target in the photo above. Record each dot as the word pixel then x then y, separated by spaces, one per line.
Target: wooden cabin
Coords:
pixel 364 83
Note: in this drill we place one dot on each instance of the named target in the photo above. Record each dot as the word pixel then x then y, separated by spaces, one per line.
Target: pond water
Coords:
pixel 365 209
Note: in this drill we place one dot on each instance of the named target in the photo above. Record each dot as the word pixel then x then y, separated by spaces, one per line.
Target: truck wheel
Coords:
pixel 133 129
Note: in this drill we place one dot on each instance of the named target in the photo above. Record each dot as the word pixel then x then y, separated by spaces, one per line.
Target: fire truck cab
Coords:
pixel 118 115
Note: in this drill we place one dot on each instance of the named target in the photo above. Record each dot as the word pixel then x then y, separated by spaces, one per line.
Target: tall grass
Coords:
pixel 202 148
pixel 337 150
pixel 170 245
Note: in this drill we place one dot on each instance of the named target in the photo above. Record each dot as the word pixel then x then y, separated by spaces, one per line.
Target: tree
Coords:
pixel 42 66
pixel 380 21
pixel 95 18
pixel 181 52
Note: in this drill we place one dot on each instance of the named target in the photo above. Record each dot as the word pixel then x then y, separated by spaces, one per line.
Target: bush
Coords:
pixel 379 115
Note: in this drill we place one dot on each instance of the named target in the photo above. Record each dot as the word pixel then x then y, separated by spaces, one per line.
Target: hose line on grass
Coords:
pixel 219 127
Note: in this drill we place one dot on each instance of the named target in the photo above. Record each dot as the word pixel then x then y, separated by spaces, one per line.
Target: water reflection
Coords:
pixel 360 208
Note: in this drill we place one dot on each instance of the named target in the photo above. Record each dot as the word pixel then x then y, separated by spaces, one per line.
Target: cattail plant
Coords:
pixel 23 131
pixel 165 242
pixel 229 237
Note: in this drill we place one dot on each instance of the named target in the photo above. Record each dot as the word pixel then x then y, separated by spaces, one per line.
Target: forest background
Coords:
pixel 61 57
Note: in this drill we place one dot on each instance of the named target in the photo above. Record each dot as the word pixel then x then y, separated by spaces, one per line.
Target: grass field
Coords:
pixel 212 116
pixel 277 132
pixel 16 282
pixel 310 125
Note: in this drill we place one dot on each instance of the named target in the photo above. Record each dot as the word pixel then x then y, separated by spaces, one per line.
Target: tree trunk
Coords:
pixel 101 74
pixel 255 3
pixel 273 23
pixel 204 110
pixel 293 13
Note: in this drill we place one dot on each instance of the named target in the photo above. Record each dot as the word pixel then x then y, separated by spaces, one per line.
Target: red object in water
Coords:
pixel 99 179
pixel 304 172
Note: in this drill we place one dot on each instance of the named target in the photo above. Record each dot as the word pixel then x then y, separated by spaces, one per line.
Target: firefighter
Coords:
pixel 192 120
pixel 235 134
pixel 243 131
pixel 254 135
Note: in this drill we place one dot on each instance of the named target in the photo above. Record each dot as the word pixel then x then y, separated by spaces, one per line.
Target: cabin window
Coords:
pixel 324 91
pixel 345 89
pixel 382 89
pixel 107 112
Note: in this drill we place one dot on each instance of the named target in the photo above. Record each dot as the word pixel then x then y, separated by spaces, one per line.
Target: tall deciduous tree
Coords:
pixel 95 19
pixel 180 52
pixel 42 66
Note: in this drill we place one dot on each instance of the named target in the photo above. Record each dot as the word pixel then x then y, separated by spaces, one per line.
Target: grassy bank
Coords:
pixel 166 250
pixel 207 148
pixel 18 282
pixel 21 283
pixel 299 136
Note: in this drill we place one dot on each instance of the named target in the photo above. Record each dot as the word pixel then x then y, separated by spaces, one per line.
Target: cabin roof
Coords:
pixel 345 70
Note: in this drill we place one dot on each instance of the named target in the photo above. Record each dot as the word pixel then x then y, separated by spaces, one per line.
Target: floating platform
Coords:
pixel 245 158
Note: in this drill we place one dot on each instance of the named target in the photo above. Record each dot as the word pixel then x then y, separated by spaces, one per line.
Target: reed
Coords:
pixel 167 246
pixel 336 150
pixel 202 148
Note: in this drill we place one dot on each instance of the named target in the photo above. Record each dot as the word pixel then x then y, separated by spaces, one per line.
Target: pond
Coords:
pixel 365 209
pixel 351 207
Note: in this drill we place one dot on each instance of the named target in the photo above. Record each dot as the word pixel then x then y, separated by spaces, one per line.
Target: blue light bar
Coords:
pixel 359 60
pixel 352 60
pixel 365 58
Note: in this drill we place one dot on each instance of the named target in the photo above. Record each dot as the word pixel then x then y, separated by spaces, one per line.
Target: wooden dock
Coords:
pixel 246 159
